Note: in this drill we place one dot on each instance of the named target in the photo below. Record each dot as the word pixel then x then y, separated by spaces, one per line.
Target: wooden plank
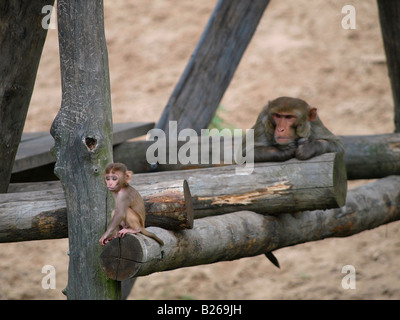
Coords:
pixel 130 130
pixel 27 136
pixel 35 148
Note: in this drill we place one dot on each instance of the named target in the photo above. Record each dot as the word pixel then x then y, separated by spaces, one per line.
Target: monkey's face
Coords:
pixel 285 127
pixel 114 181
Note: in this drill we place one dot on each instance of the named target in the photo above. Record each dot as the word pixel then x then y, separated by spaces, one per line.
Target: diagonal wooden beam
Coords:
pixel 212 65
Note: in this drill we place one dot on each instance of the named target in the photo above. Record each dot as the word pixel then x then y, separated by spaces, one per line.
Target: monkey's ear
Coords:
pixel 312 114
pixel 128 176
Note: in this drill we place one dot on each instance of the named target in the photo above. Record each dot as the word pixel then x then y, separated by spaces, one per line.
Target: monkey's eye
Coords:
pixel 107 178
pixel 115 178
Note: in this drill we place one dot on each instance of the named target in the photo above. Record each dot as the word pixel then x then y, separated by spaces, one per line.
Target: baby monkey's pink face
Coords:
pixel 113 181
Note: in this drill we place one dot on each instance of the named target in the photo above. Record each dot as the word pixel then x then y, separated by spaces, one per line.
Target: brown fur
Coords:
pixel 129 214
pixel 307 137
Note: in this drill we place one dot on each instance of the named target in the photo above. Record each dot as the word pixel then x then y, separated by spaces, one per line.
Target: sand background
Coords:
pixel 300 49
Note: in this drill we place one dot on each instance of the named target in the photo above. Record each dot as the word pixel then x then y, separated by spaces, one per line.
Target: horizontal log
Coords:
pixel 39 215
pixel 272 187
pixel 245 234
pixel 372 156
pixel 366 157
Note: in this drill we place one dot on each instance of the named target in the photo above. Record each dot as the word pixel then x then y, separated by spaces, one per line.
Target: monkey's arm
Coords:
pixel 270 153
pixel 309 149
pixel 321 141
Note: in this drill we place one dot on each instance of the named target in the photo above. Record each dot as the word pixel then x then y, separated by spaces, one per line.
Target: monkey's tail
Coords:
pixel 272 258
pixel 152 235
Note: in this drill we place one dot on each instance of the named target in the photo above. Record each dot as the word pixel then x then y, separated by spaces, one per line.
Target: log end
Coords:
pixel 339 179
pixel 170 209
pixel 121 258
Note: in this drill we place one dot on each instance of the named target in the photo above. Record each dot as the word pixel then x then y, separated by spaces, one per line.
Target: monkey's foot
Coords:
pixel 109 239
pixel 124 231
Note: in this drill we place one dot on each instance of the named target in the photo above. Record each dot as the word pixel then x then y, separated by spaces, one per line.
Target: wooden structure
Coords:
pixel 172 204
pixel 83 146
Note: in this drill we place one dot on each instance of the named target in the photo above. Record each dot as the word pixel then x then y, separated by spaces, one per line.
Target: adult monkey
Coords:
pixel 129 213
pixel 290 128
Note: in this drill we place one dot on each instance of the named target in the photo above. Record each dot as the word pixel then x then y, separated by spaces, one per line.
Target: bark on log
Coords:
pixel 273 188
pixel 82 132
pixel 168 205
pixel 40 215
pixel 245 234
pixel 21 43
pixel 372 157
pixel 389 12
pixel 213 63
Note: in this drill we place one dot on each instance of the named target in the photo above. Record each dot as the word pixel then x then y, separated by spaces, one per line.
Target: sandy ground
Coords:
pixel 300 49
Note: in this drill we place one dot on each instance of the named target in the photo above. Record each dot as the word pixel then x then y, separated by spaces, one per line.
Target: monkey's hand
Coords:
pixel 302 141
pixel 103 240
pixel 307 150
pixel 271 153
pixel 126 230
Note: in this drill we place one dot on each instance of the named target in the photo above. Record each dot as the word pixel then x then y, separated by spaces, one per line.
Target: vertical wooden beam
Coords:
pixel 83 143
pixel 212 65
pixel 389 15
pixel 21 42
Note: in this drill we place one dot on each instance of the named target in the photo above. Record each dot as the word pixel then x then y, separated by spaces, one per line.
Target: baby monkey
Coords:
pixel 129 213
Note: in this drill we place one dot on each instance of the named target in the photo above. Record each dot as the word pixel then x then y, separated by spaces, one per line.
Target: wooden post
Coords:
pixel 213 63
pixel 21 42
pixel 83 132
pixel 246 234
pixel 389 13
